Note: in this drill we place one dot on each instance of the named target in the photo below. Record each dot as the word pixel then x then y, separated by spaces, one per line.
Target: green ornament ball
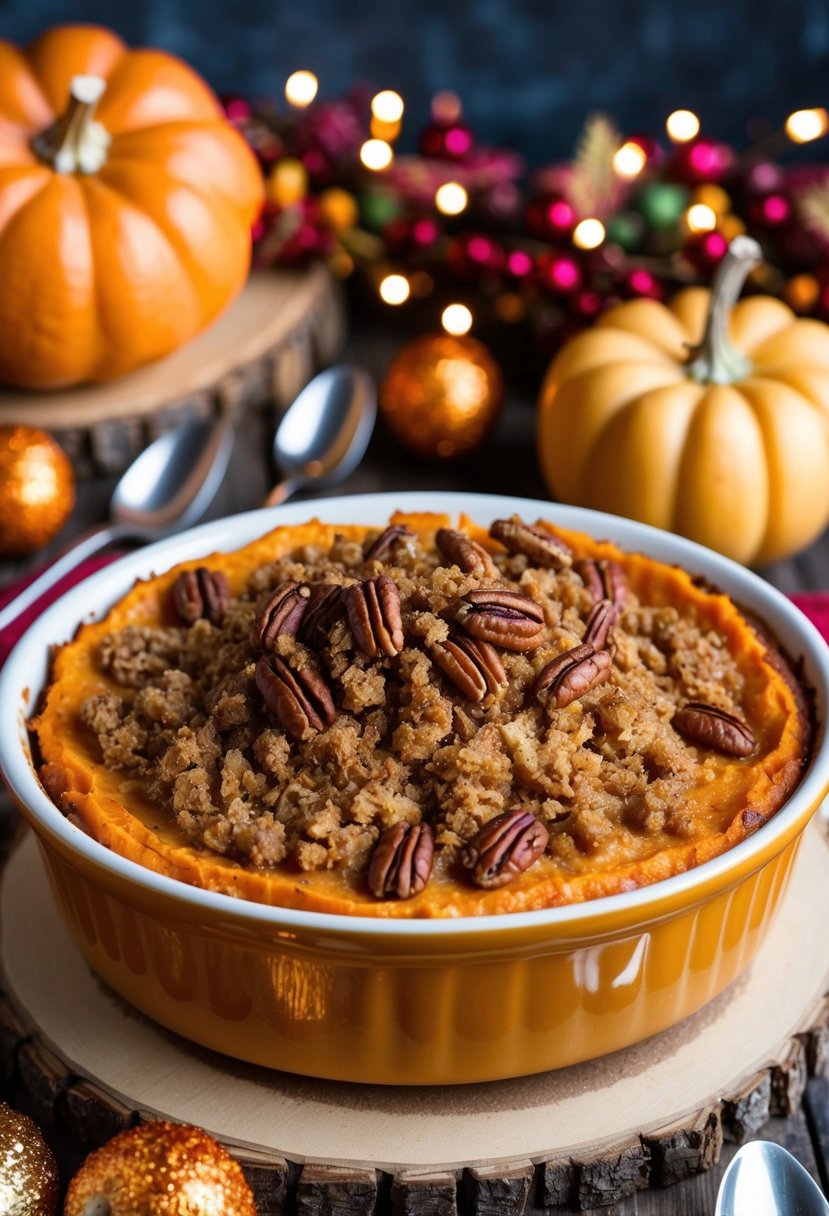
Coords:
pixel 626 229
pixel 377 209
pixel 661 204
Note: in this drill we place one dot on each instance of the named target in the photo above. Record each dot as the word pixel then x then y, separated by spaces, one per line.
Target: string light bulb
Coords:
pixel 387 106
pixel 456 319
pixel 805 125
pixel 701 218
pixel 395 289
pixel 376 154
pixel 588 234
pixel 630 160
pixel 301 89
pixel 451 198
pixel 682 126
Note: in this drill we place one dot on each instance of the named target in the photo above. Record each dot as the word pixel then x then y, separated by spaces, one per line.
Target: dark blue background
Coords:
pixel 528 71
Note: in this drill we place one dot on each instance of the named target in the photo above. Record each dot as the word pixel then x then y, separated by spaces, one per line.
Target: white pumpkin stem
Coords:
pixel 715 361
pixel 76 143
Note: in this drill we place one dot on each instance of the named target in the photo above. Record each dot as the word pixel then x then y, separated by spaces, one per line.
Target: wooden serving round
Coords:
pixel 586 1135
pixel 260 352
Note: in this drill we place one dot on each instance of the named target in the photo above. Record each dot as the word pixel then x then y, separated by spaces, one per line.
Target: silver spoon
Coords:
pixel 167 487
pixel 324 433
pixel 764 1179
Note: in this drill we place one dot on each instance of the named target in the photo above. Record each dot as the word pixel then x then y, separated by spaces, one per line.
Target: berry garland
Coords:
pixel 458 221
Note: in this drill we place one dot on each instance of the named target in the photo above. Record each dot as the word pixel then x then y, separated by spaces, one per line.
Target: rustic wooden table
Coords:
pixel 507 465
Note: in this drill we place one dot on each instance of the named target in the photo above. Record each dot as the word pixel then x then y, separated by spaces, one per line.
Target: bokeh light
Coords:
pixel 456 319
pixel 395 289
pixel 682 125
pixel 589 234
pixel 451 198
pixel 301 88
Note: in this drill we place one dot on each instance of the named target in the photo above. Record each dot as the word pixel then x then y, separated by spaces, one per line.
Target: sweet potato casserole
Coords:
pixel 428 720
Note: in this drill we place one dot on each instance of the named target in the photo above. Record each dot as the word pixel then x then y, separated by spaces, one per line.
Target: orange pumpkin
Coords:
pixel 706 417
pixel 126 201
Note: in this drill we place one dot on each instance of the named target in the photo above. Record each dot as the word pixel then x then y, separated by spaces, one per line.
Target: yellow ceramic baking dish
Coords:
pixel 413 1002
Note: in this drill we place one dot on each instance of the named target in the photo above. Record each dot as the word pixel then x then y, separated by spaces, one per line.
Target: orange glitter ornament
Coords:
pixel 160 1169
pixel 37 490
pixel 28 1173
pixel 442 395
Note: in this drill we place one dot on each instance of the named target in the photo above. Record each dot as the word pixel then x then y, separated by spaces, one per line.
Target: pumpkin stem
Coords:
pixel 715 361
pixel 75 143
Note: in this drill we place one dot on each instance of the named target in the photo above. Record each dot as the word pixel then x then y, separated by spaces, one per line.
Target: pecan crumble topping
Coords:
pixel 386 710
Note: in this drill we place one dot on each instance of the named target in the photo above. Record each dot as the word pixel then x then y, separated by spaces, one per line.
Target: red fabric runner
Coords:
pixel 9 636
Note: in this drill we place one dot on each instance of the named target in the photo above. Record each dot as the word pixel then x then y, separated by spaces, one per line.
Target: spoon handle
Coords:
pixel 84 546
pixel 281 493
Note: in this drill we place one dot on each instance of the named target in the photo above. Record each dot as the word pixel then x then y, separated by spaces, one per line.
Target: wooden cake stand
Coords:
pixel 260 352
pixel 582 1136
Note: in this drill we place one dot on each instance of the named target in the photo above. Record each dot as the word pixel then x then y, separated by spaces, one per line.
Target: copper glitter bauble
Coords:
pixel 28 1173
pixel 37 490
pixel 441 395
pixel 160 1169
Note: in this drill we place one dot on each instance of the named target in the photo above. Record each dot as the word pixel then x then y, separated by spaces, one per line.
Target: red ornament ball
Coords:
pixel 640 283
pixel 587 304
pixel 558 273
pixel 412 234
pixel 441 396
pixel 474 254
pixel 520 264
pixel 238 109
pixel 446 141
pixel 550 216
pixel 705 250
pixel 770 211
pixel 702 160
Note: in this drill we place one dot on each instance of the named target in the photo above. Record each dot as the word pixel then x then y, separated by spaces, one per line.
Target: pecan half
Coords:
pixel 507 618
pixel 299 698
pixel 201 593
pixel 605 580
pixel 505 847
pixel 599 624
pixel 573 673
pixel 325 606
pixel 539 545
pixel 373 610
pixel 401 863
pixel 473 667
pixel 282 614
pixel 384 545
pixel 708 726
pixel 464 552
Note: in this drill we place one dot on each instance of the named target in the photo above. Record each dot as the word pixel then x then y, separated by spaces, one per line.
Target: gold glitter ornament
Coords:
pixel 28 1173
pixel 37 490
pixel 160 1169
pixel 442 395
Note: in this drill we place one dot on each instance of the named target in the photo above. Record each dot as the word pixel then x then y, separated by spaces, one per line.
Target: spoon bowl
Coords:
pixel 168 486
pixel 174 480
pixel 764 1179
pixel 324 433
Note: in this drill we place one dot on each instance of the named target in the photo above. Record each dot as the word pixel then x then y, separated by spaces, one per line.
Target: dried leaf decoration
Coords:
pixel 813 209
pixel 593 186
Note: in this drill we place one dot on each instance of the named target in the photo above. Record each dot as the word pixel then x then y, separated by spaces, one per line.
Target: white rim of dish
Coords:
pixel 57 623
